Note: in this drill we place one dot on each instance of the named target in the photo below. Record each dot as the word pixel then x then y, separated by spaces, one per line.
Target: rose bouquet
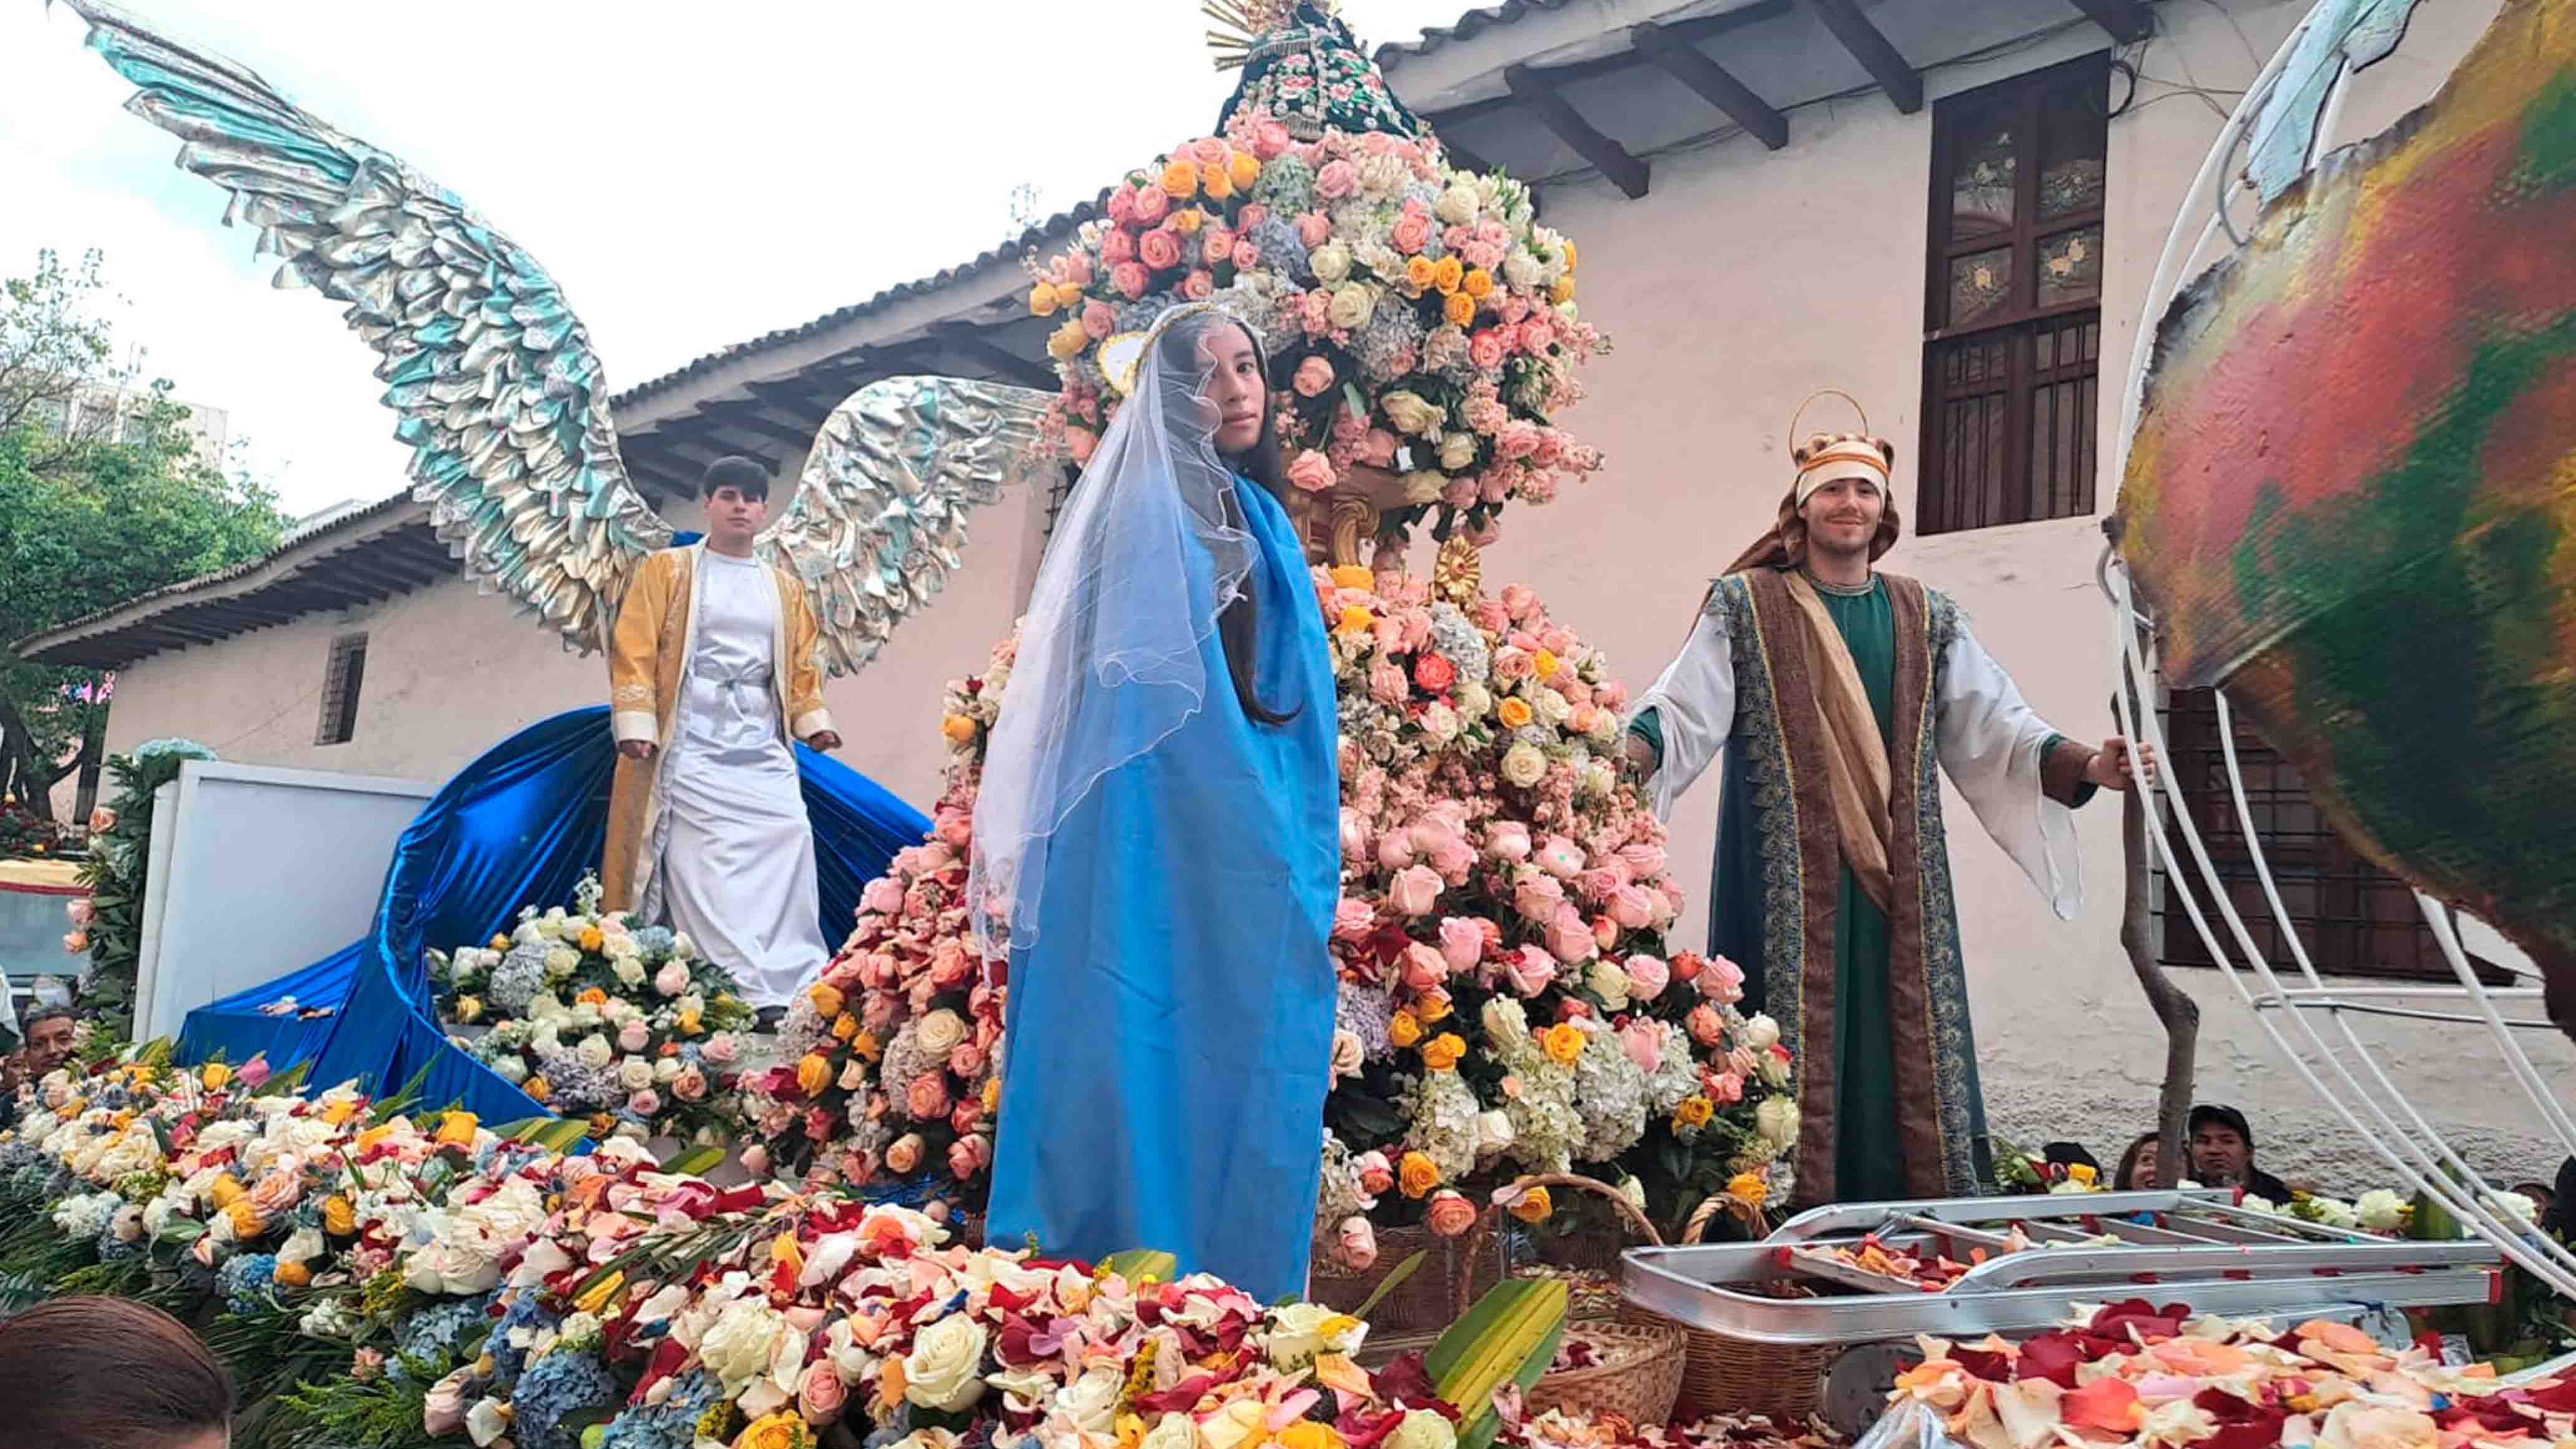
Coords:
pixel 1507 1004
pixel 1418 321
pixel 628 1029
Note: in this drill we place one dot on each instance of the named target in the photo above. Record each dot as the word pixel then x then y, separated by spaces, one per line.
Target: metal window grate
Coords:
pixel 341 682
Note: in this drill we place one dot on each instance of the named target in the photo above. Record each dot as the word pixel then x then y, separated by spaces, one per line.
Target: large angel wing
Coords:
pixel 501 398
pixel 880 513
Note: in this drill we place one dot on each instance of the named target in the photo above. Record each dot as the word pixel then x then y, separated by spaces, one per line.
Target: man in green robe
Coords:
pixel 1839 690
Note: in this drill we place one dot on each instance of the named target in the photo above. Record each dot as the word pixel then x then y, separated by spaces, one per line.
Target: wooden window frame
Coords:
pixel 342 680
pixel 1959 122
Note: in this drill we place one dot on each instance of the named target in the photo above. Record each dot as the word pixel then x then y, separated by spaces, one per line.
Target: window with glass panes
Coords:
pixel 2013 301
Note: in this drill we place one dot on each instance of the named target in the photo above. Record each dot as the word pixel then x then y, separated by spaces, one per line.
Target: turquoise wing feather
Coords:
pixel 499 395
pixel 879 516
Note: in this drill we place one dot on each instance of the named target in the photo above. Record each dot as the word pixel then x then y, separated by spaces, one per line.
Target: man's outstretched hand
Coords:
pixel 635 749
pixel 824 740
pixel 2110 765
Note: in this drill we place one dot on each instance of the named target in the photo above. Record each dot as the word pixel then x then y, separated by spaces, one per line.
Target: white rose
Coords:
pixel 1380 258
pixel 1596 778
pixel 1524 764
pixel 666 1069
pixel 1457 204
pixel 561 961
pixel 747 1341
pixel 2514 1208
pixel 595 1052
pixel 1609 981
pixel 1493 1132
pixel 635 1074
pixel 629 971
pixel 1423 1429
pixel 1352 305
pixel 301 1246
pixel 1760 1032
pixel 1172 1431
pixel 1777 1120
pixel 2380 1211
pixel 1090 1403
pixel 944 1371
pixel 1474 699
pixel 1520 269
pixel 1440 722
pixel 1300 1331
pixel 1457 451
pixel 1423 485
pixel 682 948
pixel 1504 1020
pixel 1410 414
pixel 1775 1069
pixel 1551 708
pixel 2254 1204
pixel 940 1032
pixel 2332 1213
pixel 1330 262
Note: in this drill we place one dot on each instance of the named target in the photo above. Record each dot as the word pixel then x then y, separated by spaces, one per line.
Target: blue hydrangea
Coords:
pixel 1286 184
pixel 527 1310
pixel 519 977
pixel 1282 249
pixel 246 1281
pixel 555 1389
pixel 654 942
pixel 443 1328
pixel 185 749
pixel 672 1424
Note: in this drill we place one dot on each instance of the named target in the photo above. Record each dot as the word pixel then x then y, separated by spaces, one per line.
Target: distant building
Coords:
pixel 117 413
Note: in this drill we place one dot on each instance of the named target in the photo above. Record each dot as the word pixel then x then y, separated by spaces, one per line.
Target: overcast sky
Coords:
pixel 689 181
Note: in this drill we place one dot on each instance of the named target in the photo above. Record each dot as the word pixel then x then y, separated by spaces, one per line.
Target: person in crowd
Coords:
pixel 2137 1170
pixel 50 1033
pixel 1831 689
pixel 109 1373
pixel 2222 1154
pixel 2558 1214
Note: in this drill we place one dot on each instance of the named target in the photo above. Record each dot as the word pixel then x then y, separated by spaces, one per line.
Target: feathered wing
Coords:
pixel 880 513
pixel 499 393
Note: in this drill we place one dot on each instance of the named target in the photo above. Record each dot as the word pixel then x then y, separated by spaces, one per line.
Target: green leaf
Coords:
pixel 1137 1264
pixel 1392 1281
pixel 1509 1336
pixel 693 1162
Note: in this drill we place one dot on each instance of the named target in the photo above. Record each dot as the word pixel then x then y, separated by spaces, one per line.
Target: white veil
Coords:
pixel 1109 660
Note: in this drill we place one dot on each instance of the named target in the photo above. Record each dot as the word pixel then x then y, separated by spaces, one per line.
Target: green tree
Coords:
pixel 104 496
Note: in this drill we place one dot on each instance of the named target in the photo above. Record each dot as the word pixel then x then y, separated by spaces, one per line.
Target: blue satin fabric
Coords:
pixel 1170 1029
pixel 519 826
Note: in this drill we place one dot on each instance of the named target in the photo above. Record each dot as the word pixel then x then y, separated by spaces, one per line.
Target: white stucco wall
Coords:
pixel 1745 280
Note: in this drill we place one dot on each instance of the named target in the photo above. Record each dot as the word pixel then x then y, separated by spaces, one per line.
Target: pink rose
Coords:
pixel 1597 884
pixel 1452 856
pixel 1080 442
pixel 1706 1026
pixel 1311 471
pixel 1513 664
pixel 927 1097
pixel 1643 859
pixel 1643 1040
pixel 1516 441
pixel 1507 840
pixel 1376 1175
pixel 254 1073
pixel 1519 601
pixel 1118 246
pixel 969 1155
pixel 1632 906
pixel 1098 321
pixel 1159 249
pixel 1245 256
pixel 966 1060
pixel 1209 151
pixel 634 1036
pixel 1355 836
pixel 1537 336
pixel 820 1393
pixel 1336 180
pixel 1529 970
pixel 1216 245
pixel 1647 977
pixel 1462 942
pixel 690 1085
pixel 1122 205
pixel 644 1103
pixel 1153 203
pixel 1250 217
pixel 720 1049
pixel 1074 269
pixel 1314 229
pixel 102 819
pixel 1377 448
pixel 1357 1242
pixel 1199 285
pixel 1270 140
pixel 1560 857
pixel 1449 1214
pixel 1726 1088
pixel 80 911
pixel 1423 968
pixel 1485 350
pixel 442 1409
pixel 1721 980
pixel 903 1154
pixel 672 979
pixel 1569 936
pixel 1605 932
pixel 1130 278
pixel 1537 897
pixel 1387 682
pixel 755 1160
pixel 1313 378
pixel 1412 232
pixel 1415 890
pixel 1353 920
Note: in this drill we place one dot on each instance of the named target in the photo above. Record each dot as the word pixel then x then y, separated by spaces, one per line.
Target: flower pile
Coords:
pixel 627 1029
pixel 1417 320
pixel 2136 1374
pixel 1556 1430
pixel 1507 1004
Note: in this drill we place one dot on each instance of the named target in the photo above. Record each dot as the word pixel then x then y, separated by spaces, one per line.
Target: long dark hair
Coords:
pixel 107 1373
pixel 2129 1163
pixel 1239 626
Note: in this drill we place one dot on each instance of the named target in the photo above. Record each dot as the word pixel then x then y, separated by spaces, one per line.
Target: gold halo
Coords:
pixel 1122 357
pixel 1810 402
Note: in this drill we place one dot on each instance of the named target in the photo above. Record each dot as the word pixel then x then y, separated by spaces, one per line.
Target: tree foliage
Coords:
pixel 105 494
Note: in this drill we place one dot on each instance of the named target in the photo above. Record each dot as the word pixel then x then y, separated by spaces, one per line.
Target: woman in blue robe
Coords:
pixel 1156 843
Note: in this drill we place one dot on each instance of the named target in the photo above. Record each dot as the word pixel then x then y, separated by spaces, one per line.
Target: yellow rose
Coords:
pixel 826 999
pixel 959 728
pixel 1243 168
pixel 216 1074
pixel 1188 220
pixel 1405 1030
pixel 1568 248
pixel 456 1129
pixel 1544 664
pixel 340 1112
pixel 1478 283
pixel 226 1191
pixel 845 1027
pixel 1563 1041
pixel 469 1009
pixel 1066 342
pixel 537 1088
pixel 1432 1008
pixel 293 1275
pixel 1748 1188
pixel 1068 295
pixel 501 942
pixel 1353 576
pixel 1562 292
pixel 992 1094
pixel 1448 274
pixel 1459 309
pixel 245 1221
pixel 1442 1052
pixel 1416 1175
pixel 1216 182
pixel 1356 620
pixel 1534 1206
pixel 1419 272
pixel 1515 712
pixel 813 1074
pixel 690 1023
pixel 1042 300
pixel 592 939
pixel 339 1216
pixel 1693 1111
pixel 1181 179
pixel 866 1045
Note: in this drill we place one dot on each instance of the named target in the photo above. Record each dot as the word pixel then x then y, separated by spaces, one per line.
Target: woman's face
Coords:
pixel 2143 1171
pixel 1236 387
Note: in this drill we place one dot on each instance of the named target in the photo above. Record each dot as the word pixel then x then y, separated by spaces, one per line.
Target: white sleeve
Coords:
pixel 1992 746
pixel 1694 704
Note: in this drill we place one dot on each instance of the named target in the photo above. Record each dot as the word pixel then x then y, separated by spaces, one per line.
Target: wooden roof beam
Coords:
pixel 1607 156
pixel 2127 21
pixel 747 417
pixel 1894 74
pixel 1715 84
pixel 968 341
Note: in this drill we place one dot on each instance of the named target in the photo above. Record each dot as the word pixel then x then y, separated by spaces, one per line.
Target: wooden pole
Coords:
pixel 2179 1014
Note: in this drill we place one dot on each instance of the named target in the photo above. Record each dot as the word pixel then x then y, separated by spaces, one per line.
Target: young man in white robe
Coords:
pixel 1833 691
pixel 713 667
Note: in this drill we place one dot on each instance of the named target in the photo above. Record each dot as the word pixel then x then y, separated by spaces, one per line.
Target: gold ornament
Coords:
pixel 1458 574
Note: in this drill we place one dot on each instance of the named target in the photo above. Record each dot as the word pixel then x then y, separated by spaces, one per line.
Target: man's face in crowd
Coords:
pixel 1842 516
pixel 2219 1156
pixel 49 1045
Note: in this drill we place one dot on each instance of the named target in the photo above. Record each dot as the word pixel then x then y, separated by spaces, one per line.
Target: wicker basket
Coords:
pixel 1640 1373
pixel 1456 1270
pixel 1722 1375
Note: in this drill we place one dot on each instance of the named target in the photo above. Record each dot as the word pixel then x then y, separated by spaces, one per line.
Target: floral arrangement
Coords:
pixel 1507 1004
pixel 2135 1374
pixel 25 832
pixel 629 1029
pixel 1417 320
pixel 120 849
pixel 1557 1430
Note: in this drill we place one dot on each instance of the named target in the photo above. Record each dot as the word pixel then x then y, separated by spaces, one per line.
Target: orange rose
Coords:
pixel 1416 1174
pixel 1419 272
pixel 1181 180
pixel 293 1275
pixel 866 1045
pixel 1404 1030
pixel 456 1129
pixel 1563 1041
pixel 826 998
pixel 1442 1052
pixel 1478 283
pixel 1243 168
pixel 1515 712
pixel 1459 309
pixel 1533 1206
pixel 1448 274
pixel 845 1027
pixel 813 1074
pixel 591 996
pixel 226 1191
